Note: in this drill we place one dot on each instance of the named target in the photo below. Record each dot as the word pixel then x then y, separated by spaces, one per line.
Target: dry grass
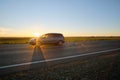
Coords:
pixel 77 39
pixel 13 40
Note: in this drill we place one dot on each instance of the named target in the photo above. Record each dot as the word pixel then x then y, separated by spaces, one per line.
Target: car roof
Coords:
pixel 53 34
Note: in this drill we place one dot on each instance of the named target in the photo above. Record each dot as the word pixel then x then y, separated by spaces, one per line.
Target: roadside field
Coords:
pixel 77 39
pixel 24 40
pixel 14 40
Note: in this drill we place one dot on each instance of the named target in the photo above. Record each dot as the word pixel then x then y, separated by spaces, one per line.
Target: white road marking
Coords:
pixel 55 59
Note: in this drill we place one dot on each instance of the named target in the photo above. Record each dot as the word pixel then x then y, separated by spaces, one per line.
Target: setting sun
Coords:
pixel 36 34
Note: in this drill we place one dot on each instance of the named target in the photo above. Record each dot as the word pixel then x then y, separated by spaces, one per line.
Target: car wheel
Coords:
pixel 60 43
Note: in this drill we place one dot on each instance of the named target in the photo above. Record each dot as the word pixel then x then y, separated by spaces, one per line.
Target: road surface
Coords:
pixel 14 56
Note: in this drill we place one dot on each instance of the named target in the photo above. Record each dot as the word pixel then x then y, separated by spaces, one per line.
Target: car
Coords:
pixel 32 41
pixel 49 38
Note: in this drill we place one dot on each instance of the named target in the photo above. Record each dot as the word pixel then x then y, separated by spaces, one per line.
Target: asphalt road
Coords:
pixel 18 55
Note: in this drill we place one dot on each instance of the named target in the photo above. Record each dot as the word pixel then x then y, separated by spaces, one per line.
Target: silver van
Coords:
pixel 49 38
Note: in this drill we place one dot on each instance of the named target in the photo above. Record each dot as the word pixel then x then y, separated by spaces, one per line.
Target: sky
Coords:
pixel 23 18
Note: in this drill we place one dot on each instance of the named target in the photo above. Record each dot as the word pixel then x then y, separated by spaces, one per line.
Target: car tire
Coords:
pixel 60 43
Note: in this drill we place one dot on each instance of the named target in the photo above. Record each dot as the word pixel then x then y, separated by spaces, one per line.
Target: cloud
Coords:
pixel 4 29
pixel 10 32
pixel 5 32
pixel 21 32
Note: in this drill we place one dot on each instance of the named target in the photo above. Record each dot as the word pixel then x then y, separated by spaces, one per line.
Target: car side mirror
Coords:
pixel 32 41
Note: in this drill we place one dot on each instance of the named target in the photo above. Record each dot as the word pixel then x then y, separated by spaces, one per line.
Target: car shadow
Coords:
pixel 38 59
pixel 41 56
pixel 52 51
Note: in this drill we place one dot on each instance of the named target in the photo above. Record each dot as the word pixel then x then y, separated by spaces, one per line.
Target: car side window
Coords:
pixel 43 36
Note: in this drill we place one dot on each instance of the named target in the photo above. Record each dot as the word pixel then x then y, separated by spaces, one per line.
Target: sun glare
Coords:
pixel 36 34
